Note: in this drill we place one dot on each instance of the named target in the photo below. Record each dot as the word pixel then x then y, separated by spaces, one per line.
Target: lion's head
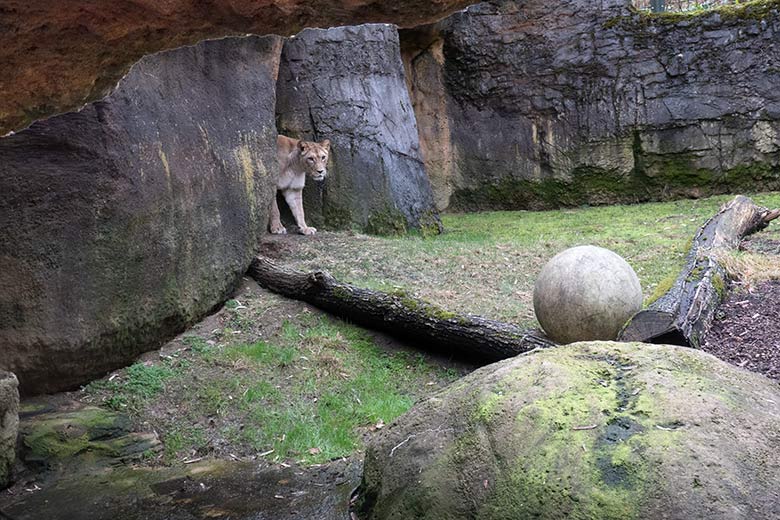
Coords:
pixel 314 156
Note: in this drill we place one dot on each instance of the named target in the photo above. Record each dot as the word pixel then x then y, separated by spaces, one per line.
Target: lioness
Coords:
pixel 296 160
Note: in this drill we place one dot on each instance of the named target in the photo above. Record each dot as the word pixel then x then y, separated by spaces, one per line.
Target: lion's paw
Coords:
pixel 309 231
pixel 278 229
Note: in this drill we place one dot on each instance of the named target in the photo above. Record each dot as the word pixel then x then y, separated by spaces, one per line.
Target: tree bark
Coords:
pixel 683 315
pixel 400 314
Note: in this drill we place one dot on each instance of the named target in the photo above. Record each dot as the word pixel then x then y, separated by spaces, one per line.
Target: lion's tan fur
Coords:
pixel 297 160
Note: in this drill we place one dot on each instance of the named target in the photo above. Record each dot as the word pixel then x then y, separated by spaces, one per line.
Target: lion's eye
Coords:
pixel 310 159
pixel 323 157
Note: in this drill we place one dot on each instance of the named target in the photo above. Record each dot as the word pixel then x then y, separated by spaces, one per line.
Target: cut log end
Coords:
pixel 684 314
pixel 771 215
pixel 648 325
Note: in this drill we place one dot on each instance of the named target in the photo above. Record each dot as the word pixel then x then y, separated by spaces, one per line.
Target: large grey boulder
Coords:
pixel 539 104
pixel 347 84
pixel 596 431
pixel 9 424
pixel 127 220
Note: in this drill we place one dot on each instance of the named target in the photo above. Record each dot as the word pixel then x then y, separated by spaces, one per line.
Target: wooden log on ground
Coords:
pixel 400 314
pixel 683 315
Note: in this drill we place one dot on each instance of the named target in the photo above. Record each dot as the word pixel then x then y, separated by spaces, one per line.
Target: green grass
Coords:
pixel 182 439
pixel 266 353
pixel 486 263
pixel 335 380
pixel 139 383
pixel 197 344
pixel 652 237
pixel 309 392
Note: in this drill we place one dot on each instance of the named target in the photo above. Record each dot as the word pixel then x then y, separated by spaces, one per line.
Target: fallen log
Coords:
pixel 683 315
pixel 400 314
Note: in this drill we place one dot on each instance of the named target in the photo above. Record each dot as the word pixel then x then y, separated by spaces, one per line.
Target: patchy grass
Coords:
pixel 487 263
pixel 141 382
pixel 347 382
pixel 269 377
pixel 750 268
pixel 273 379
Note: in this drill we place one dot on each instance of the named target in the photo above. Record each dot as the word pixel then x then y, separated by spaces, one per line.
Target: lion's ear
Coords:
pixel 302 146
pixel 326 144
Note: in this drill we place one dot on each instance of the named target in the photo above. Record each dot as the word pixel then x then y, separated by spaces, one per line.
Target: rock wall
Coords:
pixel 124 222
pixel 9 425
pixel 347 84
pixel 536 104
pixel 55 59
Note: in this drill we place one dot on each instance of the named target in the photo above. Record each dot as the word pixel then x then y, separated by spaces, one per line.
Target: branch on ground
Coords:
pixel 400 314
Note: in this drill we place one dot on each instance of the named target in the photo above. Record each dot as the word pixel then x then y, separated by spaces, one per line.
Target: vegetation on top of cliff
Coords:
pixel 751 10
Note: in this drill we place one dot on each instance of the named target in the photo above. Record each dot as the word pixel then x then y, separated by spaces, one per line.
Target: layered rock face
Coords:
pixel 534 104
pixel 604 431
pixel 347 84
pixel 55 59
pixel 9 424
pixel 122 223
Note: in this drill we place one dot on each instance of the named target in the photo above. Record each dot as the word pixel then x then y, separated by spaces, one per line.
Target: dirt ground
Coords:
pixel 746 331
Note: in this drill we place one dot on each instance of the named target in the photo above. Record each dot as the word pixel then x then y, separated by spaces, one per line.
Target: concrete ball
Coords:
pixel 586 293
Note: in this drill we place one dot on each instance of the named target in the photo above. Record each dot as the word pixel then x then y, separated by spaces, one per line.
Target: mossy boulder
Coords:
pixel 595 430
pixel 74 435
pixel 9 423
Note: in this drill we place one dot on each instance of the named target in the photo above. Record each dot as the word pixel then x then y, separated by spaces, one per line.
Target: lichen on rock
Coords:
pixel 590 431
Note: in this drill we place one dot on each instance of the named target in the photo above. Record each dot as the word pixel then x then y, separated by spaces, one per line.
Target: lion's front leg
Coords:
pixel 294 199
pixel 275 225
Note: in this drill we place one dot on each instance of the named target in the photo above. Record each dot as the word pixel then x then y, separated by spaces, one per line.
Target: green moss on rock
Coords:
pixel 101 435
pixel 587 431
pixel 655 177
pixel 336 216
pixel 430 224
pixel 719 284
pixel 421 306
pixel 662 288
pixel 641 20
pixel 389 221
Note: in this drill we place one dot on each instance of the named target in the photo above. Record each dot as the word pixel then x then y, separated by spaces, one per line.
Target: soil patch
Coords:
pixel 766 242
pixel 746 331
